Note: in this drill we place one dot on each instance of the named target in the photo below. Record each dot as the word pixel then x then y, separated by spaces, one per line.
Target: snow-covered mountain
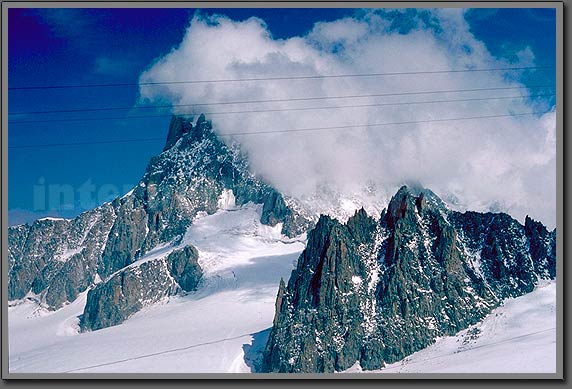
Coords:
pixel 54 260
pixel 374 291
pixel 203 232
pixel 220 327
pixel 224 325
pixel 519 336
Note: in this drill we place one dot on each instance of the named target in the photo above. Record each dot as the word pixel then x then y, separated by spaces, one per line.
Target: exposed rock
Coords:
pixel 73 278
pixel 125 237
pixel 57 258
pixel 502 248
pixel 188 177
pixel 320 338
pixel 126 292
pixel 274 209
pixel 184 268
pixel 542 247
pixel 375 292
pixel 177 128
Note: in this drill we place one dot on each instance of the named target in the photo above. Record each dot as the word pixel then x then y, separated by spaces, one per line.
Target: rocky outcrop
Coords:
pixel 58 259
pixel 178 127
pixel 502 248
pixel 542 247
pixel 376 291
pixel 126 237
pixel 319 314
pixel 184 267
pixel 126 292
pixel 275 210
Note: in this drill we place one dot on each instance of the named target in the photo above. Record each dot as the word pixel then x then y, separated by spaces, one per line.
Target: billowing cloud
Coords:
pixel 502 163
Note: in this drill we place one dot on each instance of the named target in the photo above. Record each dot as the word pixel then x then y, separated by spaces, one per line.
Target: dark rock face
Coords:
pixel 126 292
pixel 184 268
pixel 375 292
pixel 73 278
pixel 542 247
pixel 177 128
pixel 275 210
pixel 58 259
pixel 125 237
pixel 322 339
pixel 506 261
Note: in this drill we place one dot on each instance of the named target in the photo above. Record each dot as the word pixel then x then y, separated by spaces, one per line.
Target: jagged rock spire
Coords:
pixel 375 292
pixel 188 177
pixel 178 126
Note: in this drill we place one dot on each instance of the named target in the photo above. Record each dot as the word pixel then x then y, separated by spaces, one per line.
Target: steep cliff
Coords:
pixel 55 260
pixel 377 291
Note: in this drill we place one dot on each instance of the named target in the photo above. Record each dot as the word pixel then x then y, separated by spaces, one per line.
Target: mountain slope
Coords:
pixel 375 292
pixel 517 337
pixel 53 261
pixel 371 290
pixel 224 325
pixel 213 329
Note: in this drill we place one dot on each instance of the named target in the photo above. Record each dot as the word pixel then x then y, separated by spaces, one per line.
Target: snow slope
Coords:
pixel 214 329
pixel 518 337
pixel 225 324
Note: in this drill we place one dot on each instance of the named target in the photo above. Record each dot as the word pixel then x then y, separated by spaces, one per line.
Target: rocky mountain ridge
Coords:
pixel 375 291
pixel 54 260
pixel 371 290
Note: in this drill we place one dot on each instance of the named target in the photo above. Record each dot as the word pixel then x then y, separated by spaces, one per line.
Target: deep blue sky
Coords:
pixel 86 46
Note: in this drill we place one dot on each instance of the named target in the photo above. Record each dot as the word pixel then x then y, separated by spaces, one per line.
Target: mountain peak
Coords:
pixel 376 292
pixel 409 199
pixel 361 225
pixel 403 190
pixel 530 222
pixel 399 205
pixel 202 129
pixel 181 126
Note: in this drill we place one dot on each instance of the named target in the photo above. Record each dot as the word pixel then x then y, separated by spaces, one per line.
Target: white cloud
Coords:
pixel 345 32
pixel 502 163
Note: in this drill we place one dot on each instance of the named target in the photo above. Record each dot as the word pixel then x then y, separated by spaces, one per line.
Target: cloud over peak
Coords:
pixel 503 163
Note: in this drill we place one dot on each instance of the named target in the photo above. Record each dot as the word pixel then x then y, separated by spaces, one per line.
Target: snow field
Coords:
pixel 517 337
pixel 214 329
pixel 223 326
